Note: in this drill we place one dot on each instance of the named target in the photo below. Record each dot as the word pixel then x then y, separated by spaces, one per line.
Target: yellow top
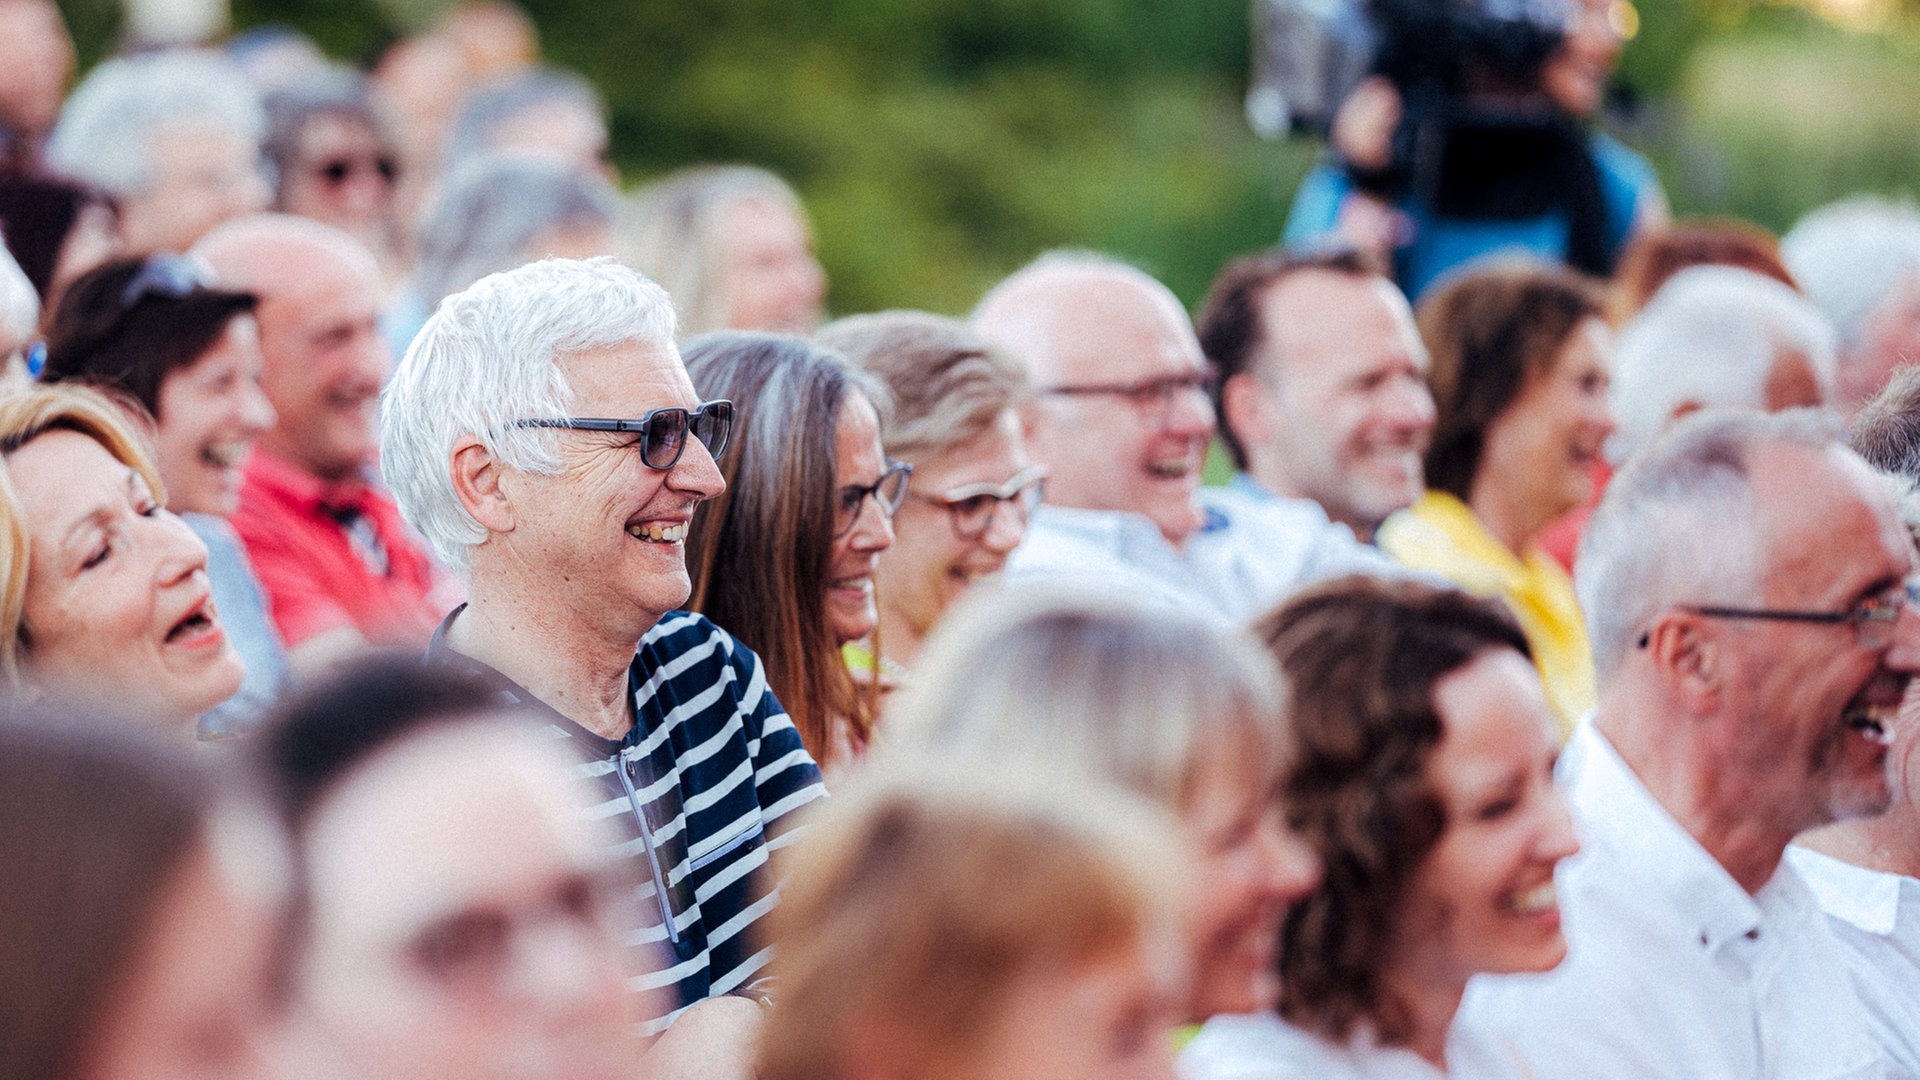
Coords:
pixel 1441 536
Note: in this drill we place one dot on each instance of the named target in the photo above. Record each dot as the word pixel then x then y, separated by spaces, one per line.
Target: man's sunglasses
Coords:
pixel 663 432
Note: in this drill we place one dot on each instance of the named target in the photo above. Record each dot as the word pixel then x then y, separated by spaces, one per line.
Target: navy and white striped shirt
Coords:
pixel 699 792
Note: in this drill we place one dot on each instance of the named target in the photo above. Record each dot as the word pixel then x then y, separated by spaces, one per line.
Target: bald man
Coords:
pixel 1122 416
pixel 338 566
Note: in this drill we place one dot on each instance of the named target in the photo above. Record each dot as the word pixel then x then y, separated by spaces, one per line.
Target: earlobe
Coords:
pixel 476 483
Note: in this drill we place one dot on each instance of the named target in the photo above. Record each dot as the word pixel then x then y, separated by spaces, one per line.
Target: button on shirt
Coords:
pixel 1673 970
pixel 1876 918
pixel 1251 553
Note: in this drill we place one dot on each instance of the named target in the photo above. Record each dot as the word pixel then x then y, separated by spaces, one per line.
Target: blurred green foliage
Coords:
pixel 940 145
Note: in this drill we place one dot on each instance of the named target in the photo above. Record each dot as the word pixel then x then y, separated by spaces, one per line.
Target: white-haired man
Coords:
pixel 1749 592
pixel 1859 259
pixel 543 435
pixel 1122 418
pixel 1718 337
pixel 174 137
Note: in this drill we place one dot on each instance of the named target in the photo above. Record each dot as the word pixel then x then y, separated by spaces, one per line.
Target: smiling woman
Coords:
pixel 105 596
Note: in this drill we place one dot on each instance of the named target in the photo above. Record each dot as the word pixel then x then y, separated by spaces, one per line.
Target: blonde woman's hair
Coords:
pixel 922 895
pixel 1070 679
pixel 26 416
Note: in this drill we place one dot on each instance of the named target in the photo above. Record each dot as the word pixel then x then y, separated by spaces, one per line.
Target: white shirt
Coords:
pixel 1249 555
pixel 1876 918
pixel 1261 1046
pixel 1673 970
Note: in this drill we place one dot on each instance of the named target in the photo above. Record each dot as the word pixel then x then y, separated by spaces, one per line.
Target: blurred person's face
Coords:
pixel 1342 372
pixel 942 543
pixel 1102 1020
pixel 858 462
pixel 1250 868
pixel 1484 899
pixel 325 362
pixel 202 176
pixel 194 999
pixel 463 923
pixel 210 413
pixel 771 278
pixel 344 175
pixel 36 60
pixel 1889 340
pixel 1134 435
pixel 1542 448
pixel 606 524
pixel 118 610
pixel 564 131
pixel 1575 76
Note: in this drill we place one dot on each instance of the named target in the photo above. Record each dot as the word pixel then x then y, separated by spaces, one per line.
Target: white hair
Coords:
pixel 1710 338
pixel 1677 524
pixel 1848 255
pixel 105 132
pixel 19 305
pixel 490 356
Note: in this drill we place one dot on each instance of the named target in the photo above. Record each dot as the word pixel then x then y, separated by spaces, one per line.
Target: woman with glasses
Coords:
pixel 158 332
pixel 954 421
pixel 785 559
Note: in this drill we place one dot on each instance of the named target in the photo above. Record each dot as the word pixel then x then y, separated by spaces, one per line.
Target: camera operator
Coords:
pixel 1471 136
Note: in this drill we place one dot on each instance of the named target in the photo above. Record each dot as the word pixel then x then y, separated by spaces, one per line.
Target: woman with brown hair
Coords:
pixel 1424 780
pixel 784 559
pixel 1519 377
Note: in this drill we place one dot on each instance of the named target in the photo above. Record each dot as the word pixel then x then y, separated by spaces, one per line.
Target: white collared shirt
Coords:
pixel 1262 1046
pixel 1673 970
pixel 1876 918
pixel 1249 555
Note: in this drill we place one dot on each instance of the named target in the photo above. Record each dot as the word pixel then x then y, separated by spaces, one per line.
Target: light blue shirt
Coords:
pixel 243 615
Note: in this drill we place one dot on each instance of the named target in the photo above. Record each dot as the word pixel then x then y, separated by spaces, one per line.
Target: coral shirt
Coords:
pixel 334 555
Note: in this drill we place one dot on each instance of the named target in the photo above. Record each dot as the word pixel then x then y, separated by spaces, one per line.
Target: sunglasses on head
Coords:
pixel 663 432
pixel 168 275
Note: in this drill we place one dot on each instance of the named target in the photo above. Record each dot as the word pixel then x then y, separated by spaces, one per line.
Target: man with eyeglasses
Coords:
pixel 1748 588
pixel 543 434
pixel 1122 417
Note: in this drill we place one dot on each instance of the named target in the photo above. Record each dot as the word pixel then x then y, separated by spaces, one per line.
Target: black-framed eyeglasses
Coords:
pixel 887 493
pixel 1154 397
pixel 971 508
pixel 1872 619
pixel 166 274
pixel 663 432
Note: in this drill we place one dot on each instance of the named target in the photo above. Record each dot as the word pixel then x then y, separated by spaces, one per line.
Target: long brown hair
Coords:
pixel 758 555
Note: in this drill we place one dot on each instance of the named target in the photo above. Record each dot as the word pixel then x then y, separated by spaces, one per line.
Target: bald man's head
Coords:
pixel 1122 414
pixel 320 300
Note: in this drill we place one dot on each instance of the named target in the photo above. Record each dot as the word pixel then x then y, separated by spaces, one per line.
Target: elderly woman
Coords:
pixel 1520 373
pixel 948 928
pixel 141 914
pixel 731 245
pixel 785 558
pixel 105 590
pixel 157 331
pixel 1424 781
pixel 954 420
pixel 1164 705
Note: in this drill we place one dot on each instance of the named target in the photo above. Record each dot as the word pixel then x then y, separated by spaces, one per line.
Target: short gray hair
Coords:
pixel 1711 336
pixel 1677 523
pixel 673 233
pixel 491 207
pixel 495 102
pixel 949 386
pixel 1850 254
pixel 490 356
pixel 105 133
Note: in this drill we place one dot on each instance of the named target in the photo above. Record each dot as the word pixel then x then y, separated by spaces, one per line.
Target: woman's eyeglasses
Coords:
pixel 887 493
pixel 663 432
pixel 971 508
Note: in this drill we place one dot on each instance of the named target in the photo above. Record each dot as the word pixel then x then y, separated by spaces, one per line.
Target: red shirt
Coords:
pixel 316 574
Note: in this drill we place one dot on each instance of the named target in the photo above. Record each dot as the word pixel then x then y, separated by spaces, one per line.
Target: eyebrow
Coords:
pixel 99 514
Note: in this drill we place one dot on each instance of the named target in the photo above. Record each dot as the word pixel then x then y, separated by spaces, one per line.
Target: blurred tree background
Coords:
pixel 940 144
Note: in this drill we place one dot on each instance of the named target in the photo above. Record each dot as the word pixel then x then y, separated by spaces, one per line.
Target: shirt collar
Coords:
pixel 301 487
pixel 440 653
pixel 1869 899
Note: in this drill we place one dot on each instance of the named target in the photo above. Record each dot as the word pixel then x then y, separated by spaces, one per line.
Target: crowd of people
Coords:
pixel 439 592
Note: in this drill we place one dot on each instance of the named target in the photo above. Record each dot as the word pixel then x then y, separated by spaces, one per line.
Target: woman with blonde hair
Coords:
pixel 1169 707
pixel 104 593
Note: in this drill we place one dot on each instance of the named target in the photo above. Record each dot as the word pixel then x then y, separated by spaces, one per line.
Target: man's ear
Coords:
pixel 1246 407
pixel 476 483
pixel 1690 658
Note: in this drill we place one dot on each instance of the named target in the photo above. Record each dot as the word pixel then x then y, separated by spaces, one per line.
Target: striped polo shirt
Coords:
pixel 699 792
